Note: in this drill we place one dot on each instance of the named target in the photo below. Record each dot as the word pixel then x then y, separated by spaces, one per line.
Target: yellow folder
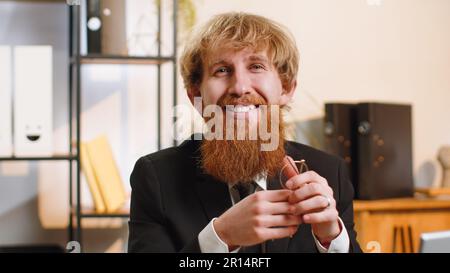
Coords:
pixel 88 171
pixel 106 173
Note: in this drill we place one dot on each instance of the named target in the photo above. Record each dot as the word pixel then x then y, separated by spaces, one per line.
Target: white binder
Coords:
pixel 33 101
pixel 5 102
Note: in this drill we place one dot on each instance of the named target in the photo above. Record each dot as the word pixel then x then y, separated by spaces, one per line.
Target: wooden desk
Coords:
pixel 395 225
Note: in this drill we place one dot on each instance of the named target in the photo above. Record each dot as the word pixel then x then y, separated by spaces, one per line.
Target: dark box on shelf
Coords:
pixel 340 135
pixel 375 139
pixel 384 151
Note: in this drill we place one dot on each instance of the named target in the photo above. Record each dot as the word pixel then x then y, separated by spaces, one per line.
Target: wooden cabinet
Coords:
pixel 395 225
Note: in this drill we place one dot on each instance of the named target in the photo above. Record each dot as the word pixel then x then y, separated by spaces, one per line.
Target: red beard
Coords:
pixel 235 160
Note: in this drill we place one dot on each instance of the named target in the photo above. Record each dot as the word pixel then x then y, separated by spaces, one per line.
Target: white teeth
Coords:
pixel 243 108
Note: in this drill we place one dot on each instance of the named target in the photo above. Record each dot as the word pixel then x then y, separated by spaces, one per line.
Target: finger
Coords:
pixel 323 216
pixel 313 204
pixel 309 190
pixel 277 220
pixel 306 177
pixel 290 169
pixel 278 233
pixel 270 208
pixel 271 195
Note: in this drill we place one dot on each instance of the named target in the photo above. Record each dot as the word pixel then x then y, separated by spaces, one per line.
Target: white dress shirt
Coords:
pixel 210 242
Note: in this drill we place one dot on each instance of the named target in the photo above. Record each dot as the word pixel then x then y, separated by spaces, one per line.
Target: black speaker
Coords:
pixel 375 140
pixel 340 136
pixel 93 27
pixel 106 27
pixel 384 151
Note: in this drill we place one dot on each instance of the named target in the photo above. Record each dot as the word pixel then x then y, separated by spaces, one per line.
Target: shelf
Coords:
pixel 91 213
pixel 114 59
pixel 409 203
pixel 434 192
pixel 75 62
pixel 54 157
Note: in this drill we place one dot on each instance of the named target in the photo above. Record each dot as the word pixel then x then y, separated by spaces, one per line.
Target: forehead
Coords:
pixel 230 55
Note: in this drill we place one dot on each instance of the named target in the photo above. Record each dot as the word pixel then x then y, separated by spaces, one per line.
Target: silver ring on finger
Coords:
pixel 328 200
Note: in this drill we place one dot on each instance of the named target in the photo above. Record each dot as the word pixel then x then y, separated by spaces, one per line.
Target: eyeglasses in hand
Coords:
pixel 291 168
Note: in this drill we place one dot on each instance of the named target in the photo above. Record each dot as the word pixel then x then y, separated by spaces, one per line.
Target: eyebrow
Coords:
pixel 255 57
pixel 218 62
pixel 259 58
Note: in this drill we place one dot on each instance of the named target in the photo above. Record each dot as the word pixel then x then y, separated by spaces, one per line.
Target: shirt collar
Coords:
pixel 260 180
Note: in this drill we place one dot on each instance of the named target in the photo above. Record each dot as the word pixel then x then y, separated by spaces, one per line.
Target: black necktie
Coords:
pixel 245 189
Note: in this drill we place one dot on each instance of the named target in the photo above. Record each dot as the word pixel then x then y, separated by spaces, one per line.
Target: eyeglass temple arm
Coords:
pixel 292 169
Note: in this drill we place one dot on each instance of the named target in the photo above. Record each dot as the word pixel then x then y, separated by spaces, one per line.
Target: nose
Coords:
pixel 240 84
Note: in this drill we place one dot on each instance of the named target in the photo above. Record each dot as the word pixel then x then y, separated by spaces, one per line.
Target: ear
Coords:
pixel 192 93
pixel 288 93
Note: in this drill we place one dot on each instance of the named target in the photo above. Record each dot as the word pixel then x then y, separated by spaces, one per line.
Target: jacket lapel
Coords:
pixel 213 194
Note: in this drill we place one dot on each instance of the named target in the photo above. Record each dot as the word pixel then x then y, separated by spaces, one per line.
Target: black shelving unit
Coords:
pixel 76 60
pixel 70 157
pixel 37 158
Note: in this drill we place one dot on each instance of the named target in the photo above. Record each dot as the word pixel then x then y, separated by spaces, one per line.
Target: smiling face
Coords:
pixel 242 83
pixel 240 54
pixel 244 79
pixel 244 67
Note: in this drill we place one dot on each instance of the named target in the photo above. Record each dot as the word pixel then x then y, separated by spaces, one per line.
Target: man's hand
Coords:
pixel 259 217
pixel 314 202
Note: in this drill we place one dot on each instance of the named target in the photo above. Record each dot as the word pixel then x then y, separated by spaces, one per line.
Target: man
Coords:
pixel 191 198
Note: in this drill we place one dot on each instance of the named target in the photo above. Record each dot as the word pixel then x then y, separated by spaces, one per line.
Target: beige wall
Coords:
pixel 355 50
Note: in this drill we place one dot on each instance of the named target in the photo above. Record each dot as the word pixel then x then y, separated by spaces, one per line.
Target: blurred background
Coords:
pixel 115 62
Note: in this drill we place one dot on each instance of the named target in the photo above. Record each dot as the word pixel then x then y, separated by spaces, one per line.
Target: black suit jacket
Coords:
pixel 172 200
